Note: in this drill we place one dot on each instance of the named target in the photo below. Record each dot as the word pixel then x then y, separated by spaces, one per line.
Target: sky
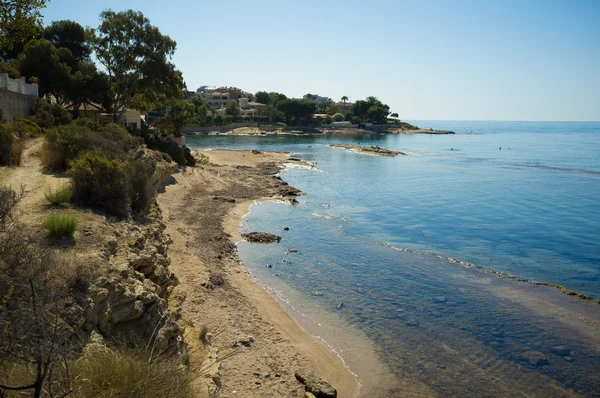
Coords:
pixel 428 60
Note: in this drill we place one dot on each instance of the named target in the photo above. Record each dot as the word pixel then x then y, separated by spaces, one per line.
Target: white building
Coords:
pixel 16 97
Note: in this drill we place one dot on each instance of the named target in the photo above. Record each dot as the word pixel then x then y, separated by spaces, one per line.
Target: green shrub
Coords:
pixel 107 373
pixel 190 160
pixel 65 143
pixel 141 190
pixel 7 138
pixel 61 224
pixel 338 117
pixel 50 115
pixel 24 128
pixel 60 195
pixel 101 183
pixel 89 123
pixel 11 148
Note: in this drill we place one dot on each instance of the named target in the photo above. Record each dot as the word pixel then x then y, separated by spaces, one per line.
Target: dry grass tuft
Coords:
pixel 108 373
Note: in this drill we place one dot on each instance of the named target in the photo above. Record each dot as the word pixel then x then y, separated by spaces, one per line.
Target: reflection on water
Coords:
pixel 444 327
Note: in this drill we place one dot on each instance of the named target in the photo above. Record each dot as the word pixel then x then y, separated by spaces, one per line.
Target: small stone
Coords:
pixel 535 358
pixel 315 385
pixel 561 351
pixel 292 251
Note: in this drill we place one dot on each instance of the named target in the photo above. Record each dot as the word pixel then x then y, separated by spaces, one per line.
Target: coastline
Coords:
pixel 202 213
pixel 314 131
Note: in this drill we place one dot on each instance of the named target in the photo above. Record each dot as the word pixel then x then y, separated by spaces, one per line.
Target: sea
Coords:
pixel 429 257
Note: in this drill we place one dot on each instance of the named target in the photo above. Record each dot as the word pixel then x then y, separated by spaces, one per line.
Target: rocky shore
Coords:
pixel 371 150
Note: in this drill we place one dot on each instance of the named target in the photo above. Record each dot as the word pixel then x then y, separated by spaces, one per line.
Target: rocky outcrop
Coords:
pixel 319 388
pixel 261 237
pixel 373 150
pixel 129 301
pixel 160 170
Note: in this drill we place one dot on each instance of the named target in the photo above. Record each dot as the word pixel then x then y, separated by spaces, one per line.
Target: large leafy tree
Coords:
pixel 178 115
pixel 136 57
pixel 70 35
pixel 42 60
pixel 58 72
pixel 20 21
pixel 262 97
pixel 297 111
pixel 233 109
pixel 371 110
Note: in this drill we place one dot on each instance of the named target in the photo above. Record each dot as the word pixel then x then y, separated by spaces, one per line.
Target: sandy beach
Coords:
pixel 259 343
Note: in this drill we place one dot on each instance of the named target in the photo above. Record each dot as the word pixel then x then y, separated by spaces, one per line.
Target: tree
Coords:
pixel 202 113
pixel 178 116
pixel 70 35
pixel 262 97
pixel 344 100
pixel 275 98
pixel 261 112
pixel 218 120
pixel 308 97
pixel 233 109
pixel 42 60
pixel 71 81
pixel 338 117
pixel 372 110
pixel 136 57
pixel 298 111
pixel 20 21
pixel 395 115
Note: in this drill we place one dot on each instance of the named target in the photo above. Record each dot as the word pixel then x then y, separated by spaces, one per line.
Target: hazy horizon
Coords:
pixel 502 61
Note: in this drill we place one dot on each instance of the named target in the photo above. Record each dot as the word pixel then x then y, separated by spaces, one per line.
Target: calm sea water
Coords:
pixel 386 237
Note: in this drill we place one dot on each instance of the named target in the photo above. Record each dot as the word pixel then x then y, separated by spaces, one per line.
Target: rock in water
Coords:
pixel 261 237
pixel 535 358
pixel 315 385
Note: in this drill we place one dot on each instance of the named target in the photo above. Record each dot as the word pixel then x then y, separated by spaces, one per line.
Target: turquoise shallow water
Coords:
pixel 376 233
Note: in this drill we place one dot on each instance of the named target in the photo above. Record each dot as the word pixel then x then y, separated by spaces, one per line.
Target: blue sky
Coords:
pixel 445 60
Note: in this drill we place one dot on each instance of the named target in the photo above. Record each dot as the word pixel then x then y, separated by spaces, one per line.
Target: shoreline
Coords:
pixel 202 213
pixel 314 131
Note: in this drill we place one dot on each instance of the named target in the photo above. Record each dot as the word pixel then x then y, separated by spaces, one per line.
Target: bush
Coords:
pixel 50 115
pixel 24 128
pixel 107 373
pixel 101 183
pixel 60 195
pixel 176 152
pixel 61 224
pixel 190 160
pixel 141 190
pixel 11 148
pixel 338 117
pixel 64 144
pixel 16 154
